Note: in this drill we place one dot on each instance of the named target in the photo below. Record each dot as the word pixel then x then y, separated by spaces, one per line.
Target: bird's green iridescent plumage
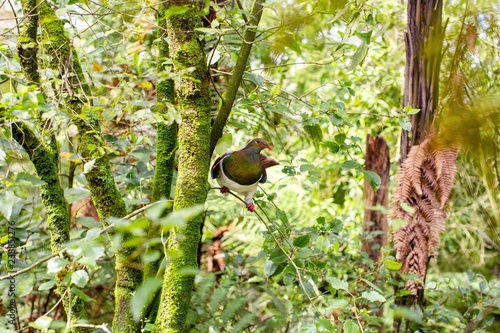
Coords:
pixel 243 166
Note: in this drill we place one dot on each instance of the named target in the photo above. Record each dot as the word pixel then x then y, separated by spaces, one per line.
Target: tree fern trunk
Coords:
pixel 424 44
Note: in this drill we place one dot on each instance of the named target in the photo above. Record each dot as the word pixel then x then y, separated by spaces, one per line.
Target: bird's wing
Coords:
pixel 215 171
pixel 266 162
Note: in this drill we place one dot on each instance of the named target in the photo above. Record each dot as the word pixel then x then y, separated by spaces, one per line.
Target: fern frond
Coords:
pixel 425 181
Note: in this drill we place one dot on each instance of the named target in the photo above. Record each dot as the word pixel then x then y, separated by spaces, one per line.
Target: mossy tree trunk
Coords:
pixel 165 155
pixel 45 159
pixel 99 176
pixel 193 94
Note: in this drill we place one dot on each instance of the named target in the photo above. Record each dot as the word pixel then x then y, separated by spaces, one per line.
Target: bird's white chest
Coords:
pixel 223 180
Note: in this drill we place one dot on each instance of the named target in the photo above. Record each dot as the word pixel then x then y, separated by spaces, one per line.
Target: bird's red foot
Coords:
pixel 250 207
pixel 224 189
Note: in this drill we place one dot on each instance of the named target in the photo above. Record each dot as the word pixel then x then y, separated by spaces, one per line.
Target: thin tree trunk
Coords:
pixel 186 51
pixel 99 176
pixel 45 159
pixel 55 204
pixel 165 157
pixel 376 160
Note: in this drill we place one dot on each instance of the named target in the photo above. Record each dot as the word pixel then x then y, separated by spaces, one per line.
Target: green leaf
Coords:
pixel 278 256
pixel 292 44
pixel 335 119
pixel 334 148
pixel 27 179
pixel 309 287
pixel 304 253
pixel 392 265
pixel 2 157
pixel 143 296
pixel 94 252
pixel 322 243
pixel 176 10
pixel 24 286
pixel 88 166
pixel 372 285
pixel 75 193
pixel 54 265
pixel 336 283
pixel 47 285
pixel 93 233
pixel 88 222
pixel 256 79
pixel 405 123
pixel 302 241
pixel 87 261
pixel 338 303
pixel 340 138
pixel 208 31
pixel 7 202
pixel 180 217
pixel 82 295
pixel 270 267
pixel 348 165
pixel 358 57
pixel 309 328
pixel 42 323
pixel 224 143
pixel 407 208
pixel 326 323
pixel 350 327
pixel 373 296
pixel 372 178
pixel 80 278
pixel 314 131
pixel 365 36
pixel 282 216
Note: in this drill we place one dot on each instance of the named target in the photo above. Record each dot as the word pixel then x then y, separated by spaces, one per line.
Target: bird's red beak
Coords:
pixel 268 147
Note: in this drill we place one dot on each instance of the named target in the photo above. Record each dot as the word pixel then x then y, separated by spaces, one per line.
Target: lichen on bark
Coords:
pixel 193 95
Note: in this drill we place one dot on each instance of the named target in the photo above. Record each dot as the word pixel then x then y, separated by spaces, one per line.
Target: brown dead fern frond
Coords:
pixel 425 181
pixel 410 242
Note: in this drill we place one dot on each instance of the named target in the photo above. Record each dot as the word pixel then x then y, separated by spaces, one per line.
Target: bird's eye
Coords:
pixel 258 142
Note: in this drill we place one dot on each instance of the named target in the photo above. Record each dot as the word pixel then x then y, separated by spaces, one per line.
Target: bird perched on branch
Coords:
pixel 241 171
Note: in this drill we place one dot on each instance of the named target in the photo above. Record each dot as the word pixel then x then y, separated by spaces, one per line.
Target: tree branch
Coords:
pixel 235 80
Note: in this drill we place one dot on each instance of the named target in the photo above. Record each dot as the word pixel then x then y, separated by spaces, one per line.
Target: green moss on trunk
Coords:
pixel 167 134
pixel 27 47
pixel 105 194
pixel 186 51
pixel 43 158
pixel 165 155
pixel 165 146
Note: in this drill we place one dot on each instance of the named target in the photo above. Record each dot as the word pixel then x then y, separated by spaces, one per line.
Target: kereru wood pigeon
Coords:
pixel 241 171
